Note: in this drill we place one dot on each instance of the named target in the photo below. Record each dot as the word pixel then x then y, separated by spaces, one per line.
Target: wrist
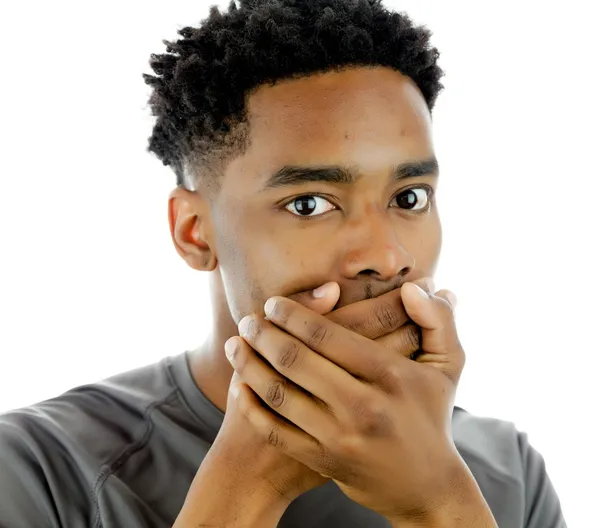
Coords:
pixel 222 497
pixel 464 505
pixel 243 508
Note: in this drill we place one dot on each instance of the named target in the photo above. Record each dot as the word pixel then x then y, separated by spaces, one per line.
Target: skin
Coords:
pixel 370 119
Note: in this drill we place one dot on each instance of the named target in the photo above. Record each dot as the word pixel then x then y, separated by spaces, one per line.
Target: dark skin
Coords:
pixel 371 226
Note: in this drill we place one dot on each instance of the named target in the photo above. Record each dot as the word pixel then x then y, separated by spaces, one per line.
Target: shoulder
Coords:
pixel 53 453
pixel 106 413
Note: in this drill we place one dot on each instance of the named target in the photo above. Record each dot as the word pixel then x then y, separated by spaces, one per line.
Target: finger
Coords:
pixel 320 300
pixel 354 353
pixel 292 360
pixel 405 341
pixel 439 339
pixel 448 296
pixel 377 317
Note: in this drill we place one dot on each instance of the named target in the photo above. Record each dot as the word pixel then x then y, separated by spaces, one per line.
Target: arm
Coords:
pixel 25 498
pixel 542 506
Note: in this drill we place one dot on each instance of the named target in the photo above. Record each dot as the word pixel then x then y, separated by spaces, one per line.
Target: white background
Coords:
pixel 90 284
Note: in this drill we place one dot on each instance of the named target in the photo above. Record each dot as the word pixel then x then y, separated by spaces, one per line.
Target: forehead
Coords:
pixel 371 118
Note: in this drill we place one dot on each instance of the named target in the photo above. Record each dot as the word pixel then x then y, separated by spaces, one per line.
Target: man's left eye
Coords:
pixel 415 199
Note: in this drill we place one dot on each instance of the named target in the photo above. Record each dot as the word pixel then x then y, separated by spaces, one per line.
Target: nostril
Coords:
pixel 368 272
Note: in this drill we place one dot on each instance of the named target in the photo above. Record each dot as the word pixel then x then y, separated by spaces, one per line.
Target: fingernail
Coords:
pixel 230 347
pixel 270 306
pixel 244 325
pixel 422 292
pixel 452 298
pixel 321 291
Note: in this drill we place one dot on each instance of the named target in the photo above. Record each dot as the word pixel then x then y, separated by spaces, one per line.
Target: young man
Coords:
pixel 300 134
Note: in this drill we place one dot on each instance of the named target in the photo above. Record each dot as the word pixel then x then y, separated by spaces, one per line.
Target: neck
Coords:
pixel 209 367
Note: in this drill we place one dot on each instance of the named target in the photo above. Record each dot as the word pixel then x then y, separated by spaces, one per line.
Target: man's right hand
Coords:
pixel 245 482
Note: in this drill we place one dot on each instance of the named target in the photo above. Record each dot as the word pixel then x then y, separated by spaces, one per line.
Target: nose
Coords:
pixel 375 250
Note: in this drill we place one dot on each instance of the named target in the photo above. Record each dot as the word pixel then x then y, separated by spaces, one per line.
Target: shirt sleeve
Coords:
pixel 542 505
pixel 25 499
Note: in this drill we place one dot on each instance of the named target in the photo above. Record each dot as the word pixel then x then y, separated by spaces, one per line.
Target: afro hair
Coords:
pixel 202 82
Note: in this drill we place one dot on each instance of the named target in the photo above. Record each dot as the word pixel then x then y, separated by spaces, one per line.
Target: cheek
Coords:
pixel 255 263
pixel 430 249
pixel 240 276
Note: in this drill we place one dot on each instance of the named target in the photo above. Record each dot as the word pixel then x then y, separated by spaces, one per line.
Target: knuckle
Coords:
pixel 390 377
pixel 325 462
pixel 371 418
pixel 274 437
pixel 386 317
pixel 276 393
pixel 289 356
pixel 349 447
pixel 317 335
pixel 375 425
pixel 333 462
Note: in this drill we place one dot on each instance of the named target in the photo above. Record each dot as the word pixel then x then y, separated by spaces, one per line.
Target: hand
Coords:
pixel 353 410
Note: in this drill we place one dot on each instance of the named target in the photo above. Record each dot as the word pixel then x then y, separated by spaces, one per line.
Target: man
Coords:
pixel 300 134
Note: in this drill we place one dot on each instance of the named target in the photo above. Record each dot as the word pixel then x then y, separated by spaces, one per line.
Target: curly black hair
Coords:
pixel 201 84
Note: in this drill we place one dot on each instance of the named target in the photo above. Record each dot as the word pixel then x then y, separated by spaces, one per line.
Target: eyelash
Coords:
pixel 427 188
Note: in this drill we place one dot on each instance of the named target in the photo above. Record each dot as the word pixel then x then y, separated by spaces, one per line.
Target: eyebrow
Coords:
pixel 297 174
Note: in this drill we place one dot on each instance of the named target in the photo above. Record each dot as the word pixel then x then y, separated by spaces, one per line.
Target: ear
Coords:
pixel 191 229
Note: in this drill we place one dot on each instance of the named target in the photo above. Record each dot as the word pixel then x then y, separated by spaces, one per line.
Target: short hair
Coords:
pixel 203 80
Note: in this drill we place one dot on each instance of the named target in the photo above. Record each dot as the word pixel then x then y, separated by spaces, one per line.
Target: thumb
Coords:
pixel 320 300
pixel 430 311
pixel 434 313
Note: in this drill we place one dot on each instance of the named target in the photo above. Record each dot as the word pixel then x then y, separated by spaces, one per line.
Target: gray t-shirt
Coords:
pixel 122 453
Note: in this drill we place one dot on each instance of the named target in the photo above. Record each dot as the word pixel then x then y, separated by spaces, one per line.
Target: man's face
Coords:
pixel 370 235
